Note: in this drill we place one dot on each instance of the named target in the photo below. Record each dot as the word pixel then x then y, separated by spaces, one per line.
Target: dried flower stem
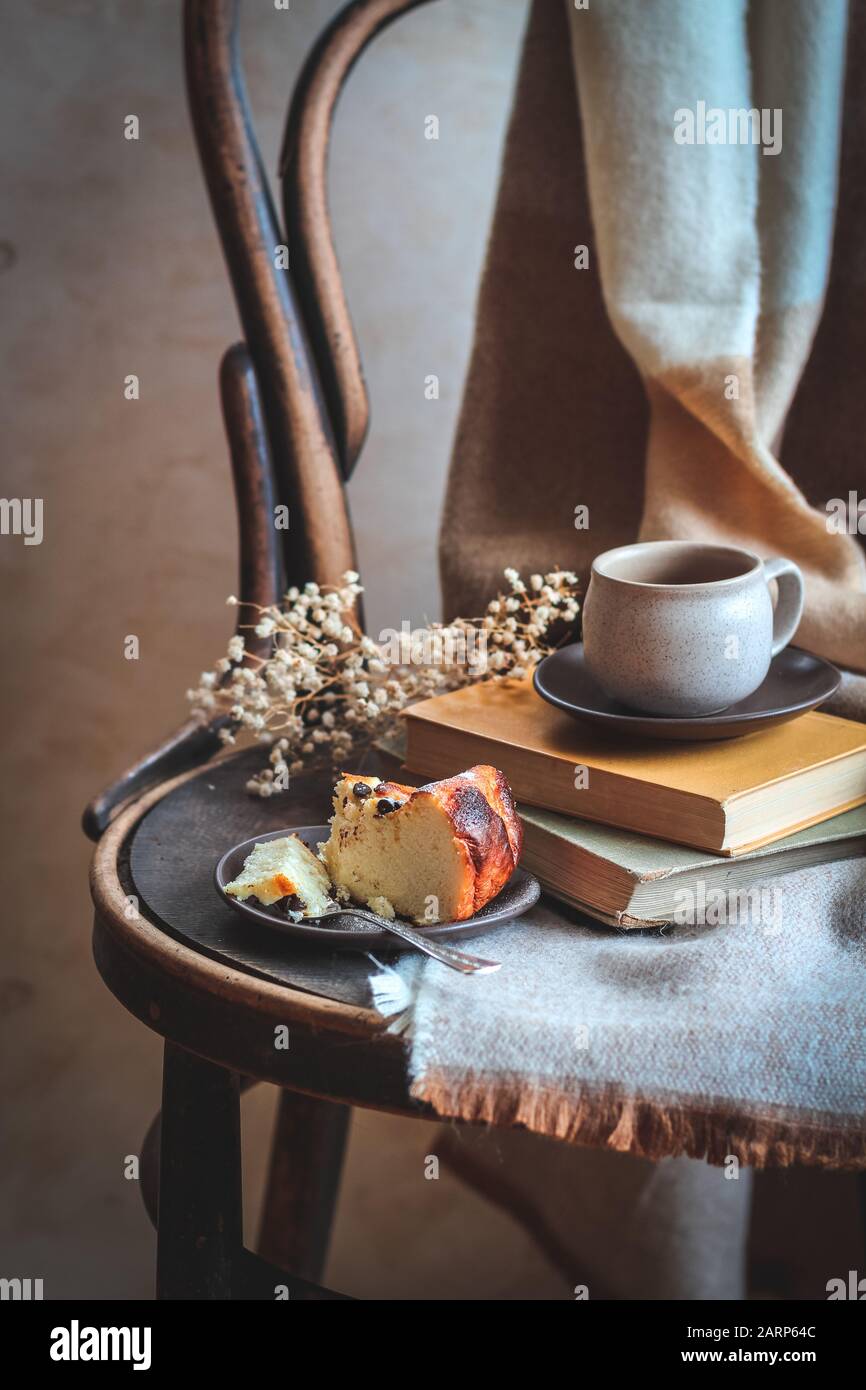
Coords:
pixel 328 690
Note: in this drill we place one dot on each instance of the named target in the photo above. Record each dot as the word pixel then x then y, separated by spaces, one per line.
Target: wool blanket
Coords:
pixel 746 1039
pixel 668 341
pixel 665 345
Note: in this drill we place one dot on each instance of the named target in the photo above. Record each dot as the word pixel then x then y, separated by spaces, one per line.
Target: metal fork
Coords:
pixel 448 955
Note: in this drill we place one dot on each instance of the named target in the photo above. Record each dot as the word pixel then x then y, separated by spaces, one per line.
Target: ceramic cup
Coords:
pixel 679 628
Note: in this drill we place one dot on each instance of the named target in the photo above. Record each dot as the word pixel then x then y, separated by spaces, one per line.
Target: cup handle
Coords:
pixel 789 609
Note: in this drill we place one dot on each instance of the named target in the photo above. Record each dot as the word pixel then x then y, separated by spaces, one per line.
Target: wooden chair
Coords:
pixel 295 411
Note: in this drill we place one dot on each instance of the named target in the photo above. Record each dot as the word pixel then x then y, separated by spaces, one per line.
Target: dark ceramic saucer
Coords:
pixel 520 893
pixel 796 682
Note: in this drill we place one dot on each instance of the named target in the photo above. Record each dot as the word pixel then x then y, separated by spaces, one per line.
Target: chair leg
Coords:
pixel 200 1220
pixel 304 1177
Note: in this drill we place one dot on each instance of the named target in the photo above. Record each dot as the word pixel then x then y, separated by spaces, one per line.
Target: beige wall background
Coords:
pixel 110 264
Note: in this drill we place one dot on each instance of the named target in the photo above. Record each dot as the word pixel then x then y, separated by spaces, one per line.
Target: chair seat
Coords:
pixel 190 968
pixel 172 854
pixel 177 959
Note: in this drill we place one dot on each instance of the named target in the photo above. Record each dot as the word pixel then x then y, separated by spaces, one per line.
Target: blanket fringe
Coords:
pixel 652 1129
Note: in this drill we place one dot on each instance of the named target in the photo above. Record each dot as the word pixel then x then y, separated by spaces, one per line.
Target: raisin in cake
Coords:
pixel 437 853
pixel 283 868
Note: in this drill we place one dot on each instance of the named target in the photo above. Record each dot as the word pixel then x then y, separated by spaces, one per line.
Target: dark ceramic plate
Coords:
pixel 796 682
pixel 520 893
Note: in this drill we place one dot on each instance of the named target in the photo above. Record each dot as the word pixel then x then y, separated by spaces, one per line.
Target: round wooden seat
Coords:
pixel 236 1006
pixel 195 972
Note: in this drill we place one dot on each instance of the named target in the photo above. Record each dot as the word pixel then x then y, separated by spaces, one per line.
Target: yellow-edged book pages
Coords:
pixel 727 796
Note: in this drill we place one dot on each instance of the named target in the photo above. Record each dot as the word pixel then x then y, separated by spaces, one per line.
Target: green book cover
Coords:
pixel 634 880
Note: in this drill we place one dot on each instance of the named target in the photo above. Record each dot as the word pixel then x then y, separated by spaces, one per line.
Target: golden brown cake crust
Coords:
pixel 481 809
pixel 494 785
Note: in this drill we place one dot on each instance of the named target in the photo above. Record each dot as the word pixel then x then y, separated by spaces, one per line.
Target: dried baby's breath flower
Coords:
pixel 325 690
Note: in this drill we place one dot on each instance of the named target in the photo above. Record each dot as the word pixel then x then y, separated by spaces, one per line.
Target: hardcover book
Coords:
pixel 727 796
pixel 631 880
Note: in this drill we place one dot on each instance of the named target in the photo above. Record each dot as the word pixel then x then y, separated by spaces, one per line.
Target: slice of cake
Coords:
pixel 284 868
pixel 437 853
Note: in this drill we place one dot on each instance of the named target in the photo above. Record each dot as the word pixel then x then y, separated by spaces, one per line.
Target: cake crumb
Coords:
pixel 381 907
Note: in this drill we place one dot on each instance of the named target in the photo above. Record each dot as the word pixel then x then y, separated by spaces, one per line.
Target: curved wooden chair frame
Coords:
pixel 293 396
pixel 295 411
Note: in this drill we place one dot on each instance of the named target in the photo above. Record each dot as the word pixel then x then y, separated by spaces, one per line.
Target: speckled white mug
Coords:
pixel 680 628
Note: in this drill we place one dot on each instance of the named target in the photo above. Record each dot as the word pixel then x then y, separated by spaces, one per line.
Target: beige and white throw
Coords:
pixel 669 340
pixel 743 1044
pixel 745 1039
pixel 649 378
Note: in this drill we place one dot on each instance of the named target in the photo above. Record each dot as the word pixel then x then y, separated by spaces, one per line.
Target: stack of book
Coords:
pixel 626 829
